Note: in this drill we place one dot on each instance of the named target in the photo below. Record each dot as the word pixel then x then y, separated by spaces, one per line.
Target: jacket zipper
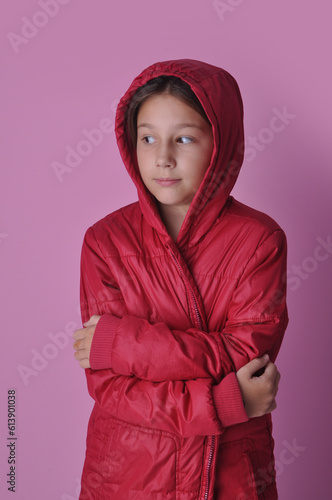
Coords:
pixel 208 468
pixel 200 325
pixel 198 317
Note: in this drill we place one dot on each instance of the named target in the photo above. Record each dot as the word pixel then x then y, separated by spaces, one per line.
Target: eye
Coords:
pixel 185 140
pixel 148 139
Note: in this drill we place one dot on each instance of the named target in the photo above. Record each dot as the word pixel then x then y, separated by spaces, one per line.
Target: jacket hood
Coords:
pixel 220 97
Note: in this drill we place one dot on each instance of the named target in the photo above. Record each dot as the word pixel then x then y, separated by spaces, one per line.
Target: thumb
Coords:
pixel 90 322
pixel 256 364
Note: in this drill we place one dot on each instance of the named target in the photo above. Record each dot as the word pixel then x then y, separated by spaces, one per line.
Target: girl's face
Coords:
pixel 174 149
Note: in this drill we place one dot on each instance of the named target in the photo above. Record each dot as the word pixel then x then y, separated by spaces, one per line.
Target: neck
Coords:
pixel 173 218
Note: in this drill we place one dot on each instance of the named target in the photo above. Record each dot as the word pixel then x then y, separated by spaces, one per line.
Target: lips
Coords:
pixel 164 181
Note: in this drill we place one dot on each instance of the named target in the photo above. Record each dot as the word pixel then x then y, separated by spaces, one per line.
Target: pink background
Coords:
pixel 66 78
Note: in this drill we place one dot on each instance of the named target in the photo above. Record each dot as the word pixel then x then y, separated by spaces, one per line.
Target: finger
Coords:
pixel 79 334
pixel 76 345
pixel 85 363
pixel 271 372
pixel 79 345
pixel 256 364
pixel 79 355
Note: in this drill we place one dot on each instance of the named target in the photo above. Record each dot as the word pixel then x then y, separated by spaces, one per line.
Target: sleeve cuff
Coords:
pixel 228 401
pixel 102 342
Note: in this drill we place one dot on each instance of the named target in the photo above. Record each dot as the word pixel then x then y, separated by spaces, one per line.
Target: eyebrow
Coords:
pixel 179 126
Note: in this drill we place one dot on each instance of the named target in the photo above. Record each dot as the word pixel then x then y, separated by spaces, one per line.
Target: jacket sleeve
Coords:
pixel 256 321
pixel 183 407
pixel 257 314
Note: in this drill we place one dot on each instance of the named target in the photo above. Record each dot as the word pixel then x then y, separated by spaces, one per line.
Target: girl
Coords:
pixel 181 289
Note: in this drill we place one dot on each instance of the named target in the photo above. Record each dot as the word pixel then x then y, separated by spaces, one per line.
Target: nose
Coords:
pixel 165 156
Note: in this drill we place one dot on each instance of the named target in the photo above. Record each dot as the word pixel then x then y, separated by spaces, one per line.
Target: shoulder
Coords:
pixel 244 216
pixel 253 239
pixel 113 231
pixel 249 230
pixel 124 215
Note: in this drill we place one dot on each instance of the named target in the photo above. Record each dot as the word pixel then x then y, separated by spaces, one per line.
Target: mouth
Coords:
pixel 164 181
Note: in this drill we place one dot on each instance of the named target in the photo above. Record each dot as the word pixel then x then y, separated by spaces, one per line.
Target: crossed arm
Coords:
pixel 258 392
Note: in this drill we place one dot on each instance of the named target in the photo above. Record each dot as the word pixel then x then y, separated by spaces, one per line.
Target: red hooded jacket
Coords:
pixel 178 319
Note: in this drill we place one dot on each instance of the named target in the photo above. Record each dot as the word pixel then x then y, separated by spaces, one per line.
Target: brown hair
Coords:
pixel 163 84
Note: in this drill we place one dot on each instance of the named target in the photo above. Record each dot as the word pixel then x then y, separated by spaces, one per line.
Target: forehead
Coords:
pixel 167 107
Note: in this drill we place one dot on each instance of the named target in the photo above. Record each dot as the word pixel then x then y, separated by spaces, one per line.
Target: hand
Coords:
pixel 83 338
pixel 259 392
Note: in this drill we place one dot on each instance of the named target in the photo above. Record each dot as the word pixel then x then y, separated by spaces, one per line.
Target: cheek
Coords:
pixel 143 165
pixel 140 159
pixel 204 163
pixel 138 155
pixel 201 169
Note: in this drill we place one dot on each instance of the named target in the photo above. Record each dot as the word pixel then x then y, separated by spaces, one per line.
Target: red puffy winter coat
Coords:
pixel 178 319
